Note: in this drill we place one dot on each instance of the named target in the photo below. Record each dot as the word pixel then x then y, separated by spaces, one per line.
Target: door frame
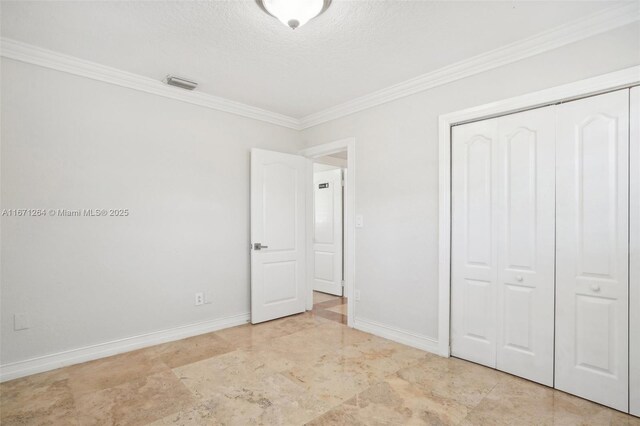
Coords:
pixel 349 145
pixel 625 78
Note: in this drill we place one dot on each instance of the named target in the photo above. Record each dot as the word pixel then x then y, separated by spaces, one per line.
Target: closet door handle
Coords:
pixel 595 287
pixel 519 278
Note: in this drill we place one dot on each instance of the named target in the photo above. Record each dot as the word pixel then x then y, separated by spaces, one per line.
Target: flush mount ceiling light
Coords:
pixel 294 13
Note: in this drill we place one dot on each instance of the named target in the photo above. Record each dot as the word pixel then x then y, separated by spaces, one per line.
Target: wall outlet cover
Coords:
pixel 199 299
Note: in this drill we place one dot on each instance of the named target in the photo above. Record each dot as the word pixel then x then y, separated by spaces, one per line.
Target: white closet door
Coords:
pixel 634 278
pixel 473 246
pixel 526 244
pixel 592 248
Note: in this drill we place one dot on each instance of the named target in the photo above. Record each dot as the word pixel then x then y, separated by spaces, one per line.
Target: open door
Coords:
pixel 278 183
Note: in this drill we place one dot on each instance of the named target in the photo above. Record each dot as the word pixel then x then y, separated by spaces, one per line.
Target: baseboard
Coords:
pixel 27 367
pixel 397 335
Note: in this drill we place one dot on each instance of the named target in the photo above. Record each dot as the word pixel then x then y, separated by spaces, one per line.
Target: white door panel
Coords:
pixel 327 242
pixel 634 252
pixel 278 222
pixel 526 246
pixel 473 246
pixel 592 249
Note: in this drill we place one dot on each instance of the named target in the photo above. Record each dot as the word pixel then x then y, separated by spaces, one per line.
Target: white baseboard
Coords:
pixel 408 338
pixel 27 367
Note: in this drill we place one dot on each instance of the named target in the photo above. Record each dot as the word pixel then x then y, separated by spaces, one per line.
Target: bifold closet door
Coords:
pixel 503 243
pixel 592 234
pixel 474 265
pixel 526 244
pixel 634 267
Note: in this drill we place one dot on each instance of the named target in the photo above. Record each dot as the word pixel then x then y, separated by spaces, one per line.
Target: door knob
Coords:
pixel 259 246
pixel 519 278
pixel 595 287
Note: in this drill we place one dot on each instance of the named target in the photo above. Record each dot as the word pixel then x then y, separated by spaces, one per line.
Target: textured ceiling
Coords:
pixel 234 50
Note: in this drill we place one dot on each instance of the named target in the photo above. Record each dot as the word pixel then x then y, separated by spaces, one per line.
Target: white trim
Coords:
pixel 615 80
pixel 75 356
pixel 600 22
pixel 350 220
pixel 30 54
pixel 397 335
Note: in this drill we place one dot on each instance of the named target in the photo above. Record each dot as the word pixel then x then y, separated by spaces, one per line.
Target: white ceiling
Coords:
pixel 234 50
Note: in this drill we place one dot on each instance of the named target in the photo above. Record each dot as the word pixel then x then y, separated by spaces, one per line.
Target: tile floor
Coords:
pixel 304 369
pixel 330 307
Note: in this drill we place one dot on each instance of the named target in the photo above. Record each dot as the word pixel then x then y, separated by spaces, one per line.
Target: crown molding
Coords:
pixel 23 52
pixel 589 26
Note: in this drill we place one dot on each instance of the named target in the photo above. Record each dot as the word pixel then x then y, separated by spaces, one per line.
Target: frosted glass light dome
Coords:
pixel 294 13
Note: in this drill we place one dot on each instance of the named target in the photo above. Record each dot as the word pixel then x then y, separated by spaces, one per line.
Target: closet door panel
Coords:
pixel 473 248
pixel 592 248
pixel 526 246
pixel 634 267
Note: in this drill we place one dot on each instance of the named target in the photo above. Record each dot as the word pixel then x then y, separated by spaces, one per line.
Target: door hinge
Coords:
pixel 342 282
pixel 342 182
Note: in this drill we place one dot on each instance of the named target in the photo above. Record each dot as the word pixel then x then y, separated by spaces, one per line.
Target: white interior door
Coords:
pixel 327 239
pixel 526 244
pixel 592 352
pixel 277 234
pixel 634 251
pixel 474 267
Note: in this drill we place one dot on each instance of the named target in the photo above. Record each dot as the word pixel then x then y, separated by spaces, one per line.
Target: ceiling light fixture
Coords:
pixel 294 13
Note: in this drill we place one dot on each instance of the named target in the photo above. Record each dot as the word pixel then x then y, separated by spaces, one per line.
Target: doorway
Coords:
pixel 328 237
pixel 282 232
pixel 331 230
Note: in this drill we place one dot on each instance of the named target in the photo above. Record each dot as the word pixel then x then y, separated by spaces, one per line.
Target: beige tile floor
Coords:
pixel 303 369
pixel 340 309
pixel 330 307
pixel 322 297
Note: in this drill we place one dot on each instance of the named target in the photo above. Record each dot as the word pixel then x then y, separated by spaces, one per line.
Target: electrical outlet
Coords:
pixel 199 299
pixel 359 221
pixel 20 322
pixel 357 295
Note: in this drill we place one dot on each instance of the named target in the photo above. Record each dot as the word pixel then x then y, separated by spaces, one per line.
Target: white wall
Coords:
pixel 397 173
pixel 181 170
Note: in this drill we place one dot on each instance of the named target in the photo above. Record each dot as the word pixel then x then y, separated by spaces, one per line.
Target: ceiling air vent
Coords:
pixel 181 82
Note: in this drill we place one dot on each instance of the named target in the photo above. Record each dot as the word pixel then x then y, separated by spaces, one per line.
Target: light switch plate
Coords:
pixel 359 221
